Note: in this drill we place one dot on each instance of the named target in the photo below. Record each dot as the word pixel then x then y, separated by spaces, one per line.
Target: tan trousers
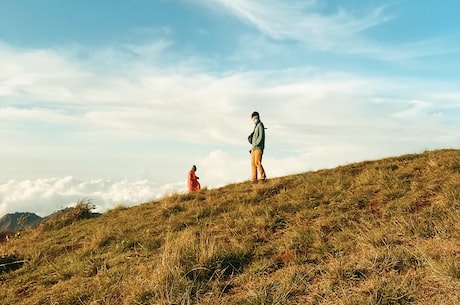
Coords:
pixel 256 164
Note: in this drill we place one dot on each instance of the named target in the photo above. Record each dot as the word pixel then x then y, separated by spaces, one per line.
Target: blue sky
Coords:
pixel 115 100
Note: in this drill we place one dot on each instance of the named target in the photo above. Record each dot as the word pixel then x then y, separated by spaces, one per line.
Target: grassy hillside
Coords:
pixel 377 232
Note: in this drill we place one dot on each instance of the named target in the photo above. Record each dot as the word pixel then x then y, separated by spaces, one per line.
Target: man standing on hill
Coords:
pixel 258 144
pixel 193 184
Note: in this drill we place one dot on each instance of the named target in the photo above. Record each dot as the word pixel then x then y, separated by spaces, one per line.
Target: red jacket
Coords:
pixel 193 184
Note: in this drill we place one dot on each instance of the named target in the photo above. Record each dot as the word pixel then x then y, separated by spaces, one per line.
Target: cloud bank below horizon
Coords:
pixel 47 195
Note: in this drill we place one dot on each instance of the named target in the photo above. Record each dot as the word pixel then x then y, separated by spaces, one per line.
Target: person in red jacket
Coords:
pixel 193 184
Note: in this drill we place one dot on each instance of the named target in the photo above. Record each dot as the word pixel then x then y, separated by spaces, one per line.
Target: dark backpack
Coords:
pixel 250 137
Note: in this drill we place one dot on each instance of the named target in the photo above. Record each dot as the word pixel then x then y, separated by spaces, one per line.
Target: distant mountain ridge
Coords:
pixel 16 221
pixel 19 221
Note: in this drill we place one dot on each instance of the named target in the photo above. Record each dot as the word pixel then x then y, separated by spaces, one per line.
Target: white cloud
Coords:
pixel 417 110
pixel 219 168
pixel 302 21
pixel 12 114
pixel 340 31
pixel 46 195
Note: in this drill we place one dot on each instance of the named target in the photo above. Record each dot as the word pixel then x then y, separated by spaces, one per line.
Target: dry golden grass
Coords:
pixel 375 232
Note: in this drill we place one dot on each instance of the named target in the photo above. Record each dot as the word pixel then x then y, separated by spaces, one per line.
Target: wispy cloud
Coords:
pixel 413 53
pixel 343 30
pixel 416 110
pixel 303 21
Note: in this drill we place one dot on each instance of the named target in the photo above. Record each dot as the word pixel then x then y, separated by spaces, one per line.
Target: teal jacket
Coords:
pixel 258 139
